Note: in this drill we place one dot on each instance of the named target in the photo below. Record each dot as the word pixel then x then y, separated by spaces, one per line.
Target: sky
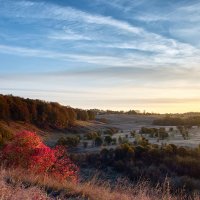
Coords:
pixel 119 54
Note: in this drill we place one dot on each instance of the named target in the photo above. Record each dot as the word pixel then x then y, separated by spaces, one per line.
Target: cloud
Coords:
pixel 135 75
pixel 34 90
pixel 103 60
pixel 123 6
pixel 129 77
pixel 68 35
pixel 95 59
pixel 135 50
pixel 23 51
pixel 51 11
pixel 121 36
pixel 192 8
pixel 156 100
pixel 187 11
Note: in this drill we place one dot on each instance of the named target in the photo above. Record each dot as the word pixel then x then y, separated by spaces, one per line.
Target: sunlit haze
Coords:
pixel 119 54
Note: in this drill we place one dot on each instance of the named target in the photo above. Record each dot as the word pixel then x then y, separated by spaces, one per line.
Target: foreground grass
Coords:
pixel 18 184
pixel 18 191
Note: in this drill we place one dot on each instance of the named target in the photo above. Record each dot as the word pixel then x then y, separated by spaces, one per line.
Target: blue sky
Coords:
pixel 119 54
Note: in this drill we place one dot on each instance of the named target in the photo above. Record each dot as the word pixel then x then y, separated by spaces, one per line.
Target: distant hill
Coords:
pixel 41 113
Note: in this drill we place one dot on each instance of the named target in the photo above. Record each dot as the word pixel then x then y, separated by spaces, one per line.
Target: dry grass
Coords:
pixel 23 185
pixel 18 126
pixel 18 191
pixel 83 123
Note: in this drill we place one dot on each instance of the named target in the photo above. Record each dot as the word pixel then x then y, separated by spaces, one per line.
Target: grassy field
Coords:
pixel 19 184
pixel 125 123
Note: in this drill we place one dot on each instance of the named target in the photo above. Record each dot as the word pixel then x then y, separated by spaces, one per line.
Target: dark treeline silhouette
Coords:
pixel 178 121
pixel 41 113
pixel 130 112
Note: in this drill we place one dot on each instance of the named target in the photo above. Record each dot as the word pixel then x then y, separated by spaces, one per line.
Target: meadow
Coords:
pixel 96 155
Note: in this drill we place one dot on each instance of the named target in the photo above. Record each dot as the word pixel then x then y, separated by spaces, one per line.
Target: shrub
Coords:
pixel 108 140
pixel 26 150
pixel 111 131
pixel 91 135
pixel 70 141
pixel 103 120
pixel 5 135
pixel 98 141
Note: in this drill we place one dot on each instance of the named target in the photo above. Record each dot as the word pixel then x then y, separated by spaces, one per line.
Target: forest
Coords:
pixel 145 161
pixel 41 113
pixel 178 121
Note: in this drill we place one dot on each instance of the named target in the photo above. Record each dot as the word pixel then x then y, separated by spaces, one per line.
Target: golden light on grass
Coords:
pixel 18 184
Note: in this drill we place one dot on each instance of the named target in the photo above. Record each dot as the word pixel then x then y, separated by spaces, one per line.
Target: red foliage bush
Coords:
pixel 28 151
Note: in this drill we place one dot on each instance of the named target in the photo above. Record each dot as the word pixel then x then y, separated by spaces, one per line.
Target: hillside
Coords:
pixel 26 174
pixel 122 156
pixel 18 184
pixel 40 113
pixel 45 118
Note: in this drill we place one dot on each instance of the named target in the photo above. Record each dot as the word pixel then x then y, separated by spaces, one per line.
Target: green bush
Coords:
pixel 70 141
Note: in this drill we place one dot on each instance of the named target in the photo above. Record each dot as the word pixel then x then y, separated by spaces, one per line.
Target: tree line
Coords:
pixel 41 113
pixel 178 121
pixel 149 162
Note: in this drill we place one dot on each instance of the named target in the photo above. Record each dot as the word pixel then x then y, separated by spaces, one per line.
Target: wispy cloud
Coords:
pixel 156 100
pixel 137 38
pixel 128 47
pixel 96 59
pixel 127 60
pixel 68 35
pixel 138 74
pixel 34 90
pixel 50 11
